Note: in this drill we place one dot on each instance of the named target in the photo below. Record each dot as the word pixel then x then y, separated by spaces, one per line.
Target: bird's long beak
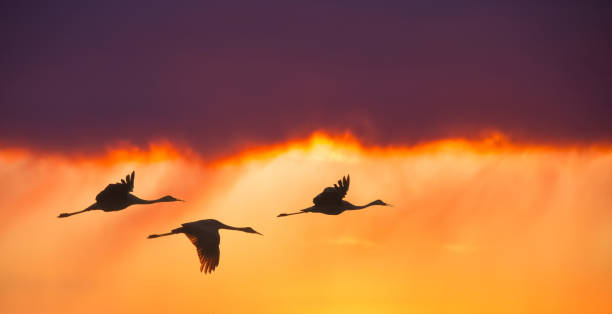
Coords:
pixel 181 200
pixel 390 205
pixel 258 233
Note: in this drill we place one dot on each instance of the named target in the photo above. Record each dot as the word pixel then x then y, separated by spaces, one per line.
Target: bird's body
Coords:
pixel 331 201
pixel 204 234
pixel 117 196
pixel 333 209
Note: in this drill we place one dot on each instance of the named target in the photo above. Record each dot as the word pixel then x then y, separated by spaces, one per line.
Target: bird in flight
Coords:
pixel 117 196
pixel 204 234
pixel 331 201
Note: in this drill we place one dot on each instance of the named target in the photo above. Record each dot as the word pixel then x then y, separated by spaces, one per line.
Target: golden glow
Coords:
pixel 482 226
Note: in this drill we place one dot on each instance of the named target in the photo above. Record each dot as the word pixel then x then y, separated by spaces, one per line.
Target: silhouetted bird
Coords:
pixel 204 234
pixel 330 201
pixel 117 196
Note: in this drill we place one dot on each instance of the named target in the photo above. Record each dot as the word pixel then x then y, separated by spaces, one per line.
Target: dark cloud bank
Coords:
pixel 218 77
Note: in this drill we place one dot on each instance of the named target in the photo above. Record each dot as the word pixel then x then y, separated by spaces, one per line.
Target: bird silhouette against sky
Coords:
pixel 117 196
pixel 204 234
pixel 330 201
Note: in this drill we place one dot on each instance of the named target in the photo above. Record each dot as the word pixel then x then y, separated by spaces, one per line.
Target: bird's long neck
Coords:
pixel 224 226
pixel 137 200
pixel 350 206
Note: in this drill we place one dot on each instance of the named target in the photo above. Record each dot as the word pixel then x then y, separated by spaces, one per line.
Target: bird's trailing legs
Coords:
pixel 289 214
pixel 302 211
pixel 153 236
pixel 174 231
pixel 92 207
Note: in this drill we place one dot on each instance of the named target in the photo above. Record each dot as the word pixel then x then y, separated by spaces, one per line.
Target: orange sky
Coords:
pixel 477 227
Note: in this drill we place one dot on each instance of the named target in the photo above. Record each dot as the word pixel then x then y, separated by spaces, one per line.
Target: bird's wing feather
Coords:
pixel 130 181
pixel 208 252
pixel 333 195
pixel 117 190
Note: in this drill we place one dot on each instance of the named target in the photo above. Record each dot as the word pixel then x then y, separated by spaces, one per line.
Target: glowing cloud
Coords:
pixel 485 226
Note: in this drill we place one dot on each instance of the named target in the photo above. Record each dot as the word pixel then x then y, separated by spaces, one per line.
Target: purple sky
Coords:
pixel 218 76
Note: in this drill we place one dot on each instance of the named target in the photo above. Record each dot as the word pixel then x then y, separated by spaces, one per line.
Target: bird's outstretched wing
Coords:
pixel 117 190
pixel 333 195
pixel 208 252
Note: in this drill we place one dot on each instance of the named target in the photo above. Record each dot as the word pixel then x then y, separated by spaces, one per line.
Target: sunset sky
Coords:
pixel 487 126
